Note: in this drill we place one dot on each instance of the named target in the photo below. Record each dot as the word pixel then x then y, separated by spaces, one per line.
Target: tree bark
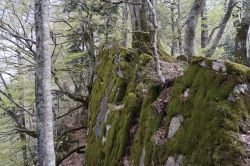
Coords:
pixel 88 42
pixel 125 14
pixel 204 27
pixel 242 35
pixel 22 113
pixel 46 154
pixel 173 29
pixel 179 28
pixel 141 33
pixel 154 31
pixel 191 24
pixel 223 24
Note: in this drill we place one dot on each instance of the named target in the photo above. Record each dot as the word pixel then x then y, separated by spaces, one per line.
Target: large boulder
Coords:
pixel 201 119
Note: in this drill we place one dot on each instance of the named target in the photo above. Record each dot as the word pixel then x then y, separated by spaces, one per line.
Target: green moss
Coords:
pixel 118 135
pixel 209 131
pixel 210 120
pixel 149 121
pixel 123 92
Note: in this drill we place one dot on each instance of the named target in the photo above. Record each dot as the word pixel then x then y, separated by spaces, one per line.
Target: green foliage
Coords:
pixel 71 57
pixel 10 146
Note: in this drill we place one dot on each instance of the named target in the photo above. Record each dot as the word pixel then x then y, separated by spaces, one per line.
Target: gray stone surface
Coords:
pixel 103 110
pixel 219 65
pixel 175 124
pixel 142 157
pixel 175 161
pixel 203 64
pixel 232 98
pixel 241 88
pixel 186 93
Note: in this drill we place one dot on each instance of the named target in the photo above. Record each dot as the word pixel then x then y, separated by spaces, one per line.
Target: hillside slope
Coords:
pixel 200 119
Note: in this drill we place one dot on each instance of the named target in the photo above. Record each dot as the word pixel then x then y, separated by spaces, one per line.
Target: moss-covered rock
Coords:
pixel 205 114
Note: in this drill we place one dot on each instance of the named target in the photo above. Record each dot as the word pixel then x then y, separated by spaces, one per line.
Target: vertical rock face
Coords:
pixel 200 122
pixel 172 161
pixel 174 126
pixel 103 111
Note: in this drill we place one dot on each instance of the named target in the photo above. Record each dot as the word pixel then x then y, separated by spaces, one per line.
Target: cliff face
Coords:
pixel 200 119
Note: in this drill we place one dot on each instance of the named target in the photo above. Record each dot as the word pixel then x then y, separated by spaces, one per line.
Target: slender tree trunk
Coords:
pixel 140 28
pixel 90 45
pixel 88 42
pixel 24 140
pixel 141 35
pixel 21 112
pixel 91 56
pixel 125 14
pixel 46 154
pixel 80 19
pixel 204 27
pixel 173 29
pixel 225 5
pixel 242 35
pixel 223 24
pixel 107 29
pixel 154 31
pixel 241 43
pixel 190 30
pixel 179 29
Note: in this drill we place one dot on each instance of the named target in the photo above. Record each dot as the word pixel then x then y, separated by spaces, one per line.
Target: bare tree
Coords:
pixel 154 32
pixel 125 14
pixel 242 28
pixel 46 154
pixel 191 24
pixel 204 27
pixel 174 26
pixel 209 52
pixel 141 33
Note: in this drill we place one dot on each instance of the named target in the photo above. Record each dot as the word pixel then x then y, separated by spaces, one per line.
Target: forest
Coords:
pixel 124 83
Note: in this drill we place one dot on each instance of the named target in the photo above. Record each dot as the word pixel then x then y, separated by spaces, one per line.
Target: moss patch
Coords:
pixel 209 134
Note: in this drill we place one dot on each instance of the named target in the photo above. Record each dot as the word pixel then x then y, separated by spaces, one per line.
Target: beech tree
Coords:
pixel 242 28
pixel 145 30
pixel 46 154
pixel 204 26
pixel 209 52
pixel 190 30
pixel 154 32
pixel 140 13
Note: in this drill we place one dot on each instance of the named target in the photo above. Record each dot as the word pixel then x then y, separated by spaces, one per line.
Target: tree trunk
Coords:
pixel 141 33
pixel 154 30
pixel 204 27
pixel 241 43
pixel 23 135
pixel 46 154
pixel 24 149
pixel 89 36
pixel 21 117
pixel 125 14
pixel 191 24
pixel 179 29
pixel 223 24
pixel 88 42
pixel 242 35
pixel 173 29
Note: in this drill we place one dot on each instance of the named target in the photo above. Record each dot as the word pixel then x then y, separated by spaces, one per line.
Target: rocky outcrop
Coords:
pixel 200 118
